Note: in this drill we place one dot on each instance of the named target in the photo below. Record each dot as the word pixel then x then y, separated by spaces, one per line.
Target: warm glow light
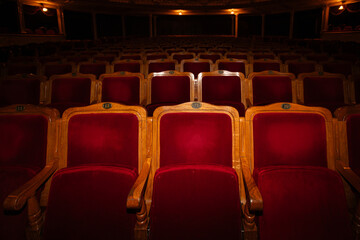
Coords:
pixel 341 7
pixel 44 9
pixel 180 13
pixel 232 12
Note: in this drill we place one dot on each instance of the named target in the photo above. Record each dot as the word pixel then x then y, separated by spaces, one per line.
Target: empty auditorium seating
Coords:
pixel 355 88
pixel 196 66
pixel 155 56
pixel 53 68
pixel 324 90
pixel 160 65
pixel 223 88
pixel 287 56
pixel 13 68
pixel 195 170
pixel 96 68
pixel 264 55
pixel 169 88
pixel 237 55
pixel 300 66
pixel 290 152
pixel 27 151
pixel 134 66
pixel 341 67
pixel 270 87
pixel 179 56
pixel 134 56
pixel 122 87
pixel 232 65
pixel 70 90
pixel 319 57
pixel 212 56
pixel 260 65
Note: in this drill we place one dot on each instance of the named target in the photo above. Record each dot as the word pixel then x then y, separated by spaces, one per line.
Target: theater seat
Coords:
pixel 232 65
pixel 134 66
pixel 260 65
pixel 96 68
pixel 196 66
pixel 160 65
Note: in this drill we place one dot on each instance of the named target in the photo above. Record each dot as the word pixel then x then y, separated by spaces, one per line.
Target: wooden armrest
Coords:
pixel 136 195
pixel 17 199
pixel 248 102
pixel 349 175
pixel 255 199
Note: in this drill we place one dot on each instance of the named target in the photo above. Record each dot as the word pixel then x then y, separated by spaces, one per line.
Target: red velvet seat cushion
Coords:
pixel 195 202
pixel 20 91
pixel 71 90
pixel 107 138
pixel 289 139
pixel 353 138
pixel 301 67
pixel 324 92
pixel 89 202
pixel 23 141
pixel 161 66
pixel 93 68
pixel 221 88
pixel 302 203
pixel 54 69
pixel 232 66
pixel 263 66
pixel 13 224
pixel 196 67
pixel 195 138
pixel 170 89
pixel 127 67
pixel 338 67
pixel 124 90
pixel 271 89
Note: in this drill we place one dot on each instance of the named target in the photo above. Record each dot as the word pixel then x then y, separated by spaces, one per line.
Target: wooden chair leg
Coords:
pixel 35 219
pixel 141 226
pixel 250 229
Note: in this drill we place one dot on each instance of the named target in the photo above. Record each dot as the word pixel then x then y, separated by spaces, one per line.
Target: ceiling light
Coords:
pixel 341 7
pixel 44 9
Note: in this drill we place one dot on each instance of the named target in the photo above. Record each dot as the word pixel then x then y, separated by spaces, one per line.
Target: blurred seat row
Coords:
pixel 192 171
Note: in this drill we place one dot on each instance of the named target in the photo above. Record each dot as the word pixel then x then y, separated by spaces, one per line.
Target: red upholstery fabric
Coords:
pixel 289 139
pixel 196 67
pixel 195 202
pixel 156 56
pixel 20 68
pixel 77 59
pixel 150 108
pixel 212 57
pixel 71 90
pixel 271 89
pixel 13 224
pixel 131 57
pixel 20 91
pixel 61 107
pixel 232 66
pixel 217 88
pixel 237 56
pixel 338 67
pixel 180 57
pixel 124 90
pixel 127 67
pixel 161 66
pixel 195 138
pixel 23 141
pixel 108 58
pixel 263 66
pixel 324 92
pixel 301 67
pixel 261 56
pixel 89 202
pixel 302 203
pixel 110 138
pixel 93 68
pixel 285 57
pixel 170 89
pixel 353 138
pixel 54 69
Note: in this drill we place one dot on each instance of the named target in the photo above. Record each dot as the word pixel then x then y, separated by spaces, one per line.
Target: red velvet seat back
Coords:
pixel 262 56
pixel 93 68
pixel 353 138
pixel 341 67
pixel 156 56
pixel 285 57
pixel 131 57
pixel 170 89
pixel 212 57
pixel 263 66
pixel 220 88
pixel 271 89
pixel 23 141
pixel 289 139
pixel 301 67
pixel 71 90
pixel 18 68
pixel 103 138
pixel 195 202
pixel 180 57
pixel 133 67
pixel 237 56
pixel 232 66
pixel 124 90
pixel 108 58
pixel 54 69
pixel 77 59
pixel 302 203
pixel 196 67
pixel 20 91
pixel 89 202
pixel 187 138
pixel 161 66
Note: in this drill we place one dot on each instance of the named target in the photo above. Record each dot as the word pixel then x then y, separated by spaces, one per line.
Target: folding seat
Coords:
pixel 342 67
pixel 169 88
pixel 27 153
pixel 128 65
pixel 197 50
pixel 182 56
pixel 260 65
pixel 49 69
pixel 270 87
pixel 77 59
pixel 290 153
pixel 195 186
pixel 232 65
pixel 237 55
pixel 300 66
pixel 102 151
pixel 223 88
pixel 96 68
pixel 122 87
pixel 13 68
pixel 134 56
pixel 70 90
pixel 104 58
pixel 22 89
pixel 212 56
pixel 264 55
pixel 319 57
pixel 320 89
pixel 155 56
pixel 160 65
pixel 284 57
pixel 196 66
pixel 170 51
pixel 222 51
